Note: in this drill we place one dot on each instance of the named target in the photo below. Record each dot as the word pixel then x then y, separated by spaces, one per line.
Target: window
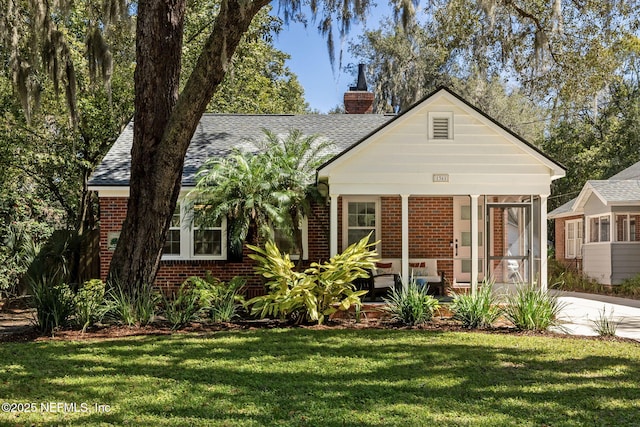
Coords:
pixel 441 126
pixel 361 219
pixel 172 244
pixel 599 228
pixel 187 240
pixel 284 243
pixel 573 239
pixel 207 241
pixel 626 227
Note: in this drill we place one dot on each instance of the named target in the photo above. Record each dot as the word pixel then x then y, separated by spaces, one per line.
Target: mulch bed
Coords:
pixel 109 332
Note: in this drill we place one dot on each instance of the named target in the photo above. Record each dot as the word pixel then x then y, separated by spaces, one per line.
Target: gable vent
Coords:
pixel 440 128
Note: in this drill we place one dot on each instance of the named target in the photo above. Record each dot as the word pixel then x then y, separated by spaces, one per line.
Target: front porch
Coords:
pixel 459 240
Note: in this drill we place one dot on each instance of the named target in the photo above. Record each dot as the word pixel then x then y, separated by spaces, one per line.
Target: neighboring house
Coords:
pixel 441 183
pixel 598 232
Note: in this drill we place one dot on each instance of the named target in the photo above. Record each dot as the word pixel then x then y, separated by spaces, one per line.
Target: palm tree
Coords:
pixel 259 190
pixel 296 157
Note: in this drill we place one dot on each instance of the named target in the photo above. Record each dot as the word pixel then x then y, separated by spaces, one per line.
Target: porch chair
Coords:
pixel 384 279
pixel 425 272
pixel 380 281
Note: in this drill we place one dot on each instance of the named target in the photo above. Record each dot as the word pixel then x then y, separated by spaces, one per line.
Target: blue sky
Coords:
pixel 323 87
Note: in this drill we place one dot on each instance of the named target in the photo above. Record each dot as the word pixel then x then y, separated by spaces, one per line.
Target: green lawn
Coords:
pixel 324 377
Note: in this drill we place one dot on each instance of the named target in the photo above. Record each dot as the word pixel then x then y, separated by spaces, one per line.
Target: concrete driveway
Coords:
pixel 580 310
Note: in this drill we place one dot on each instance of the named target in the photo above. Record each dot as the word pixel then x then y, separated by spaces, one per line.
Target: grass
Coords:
pixel 293 377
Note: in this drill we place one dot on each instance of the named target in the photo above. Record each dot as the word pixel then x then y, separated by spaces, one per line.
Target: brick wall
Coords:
pixel 113 210
pixel 391 227
pixel 430 229
pixel 173 272
pixel 358 102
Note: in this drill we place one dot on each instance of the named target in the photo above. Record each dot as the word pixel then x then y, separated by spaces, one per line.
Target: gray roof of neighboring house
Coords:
pixel 217 134
pixel 621 187
pixel 632 172
pixel 611 191
pixel 615 191
pixel 563 209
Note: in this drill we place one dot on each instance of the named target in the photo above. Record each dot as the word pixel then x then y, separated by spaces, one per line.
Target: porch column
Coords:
pixel 405 239
pixel 543 242
pixel 474 243
pixel 333 226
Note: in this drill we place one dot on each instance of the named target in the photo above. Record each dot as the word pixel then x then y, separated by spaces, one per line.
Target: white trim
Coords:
pixel 405 239
pixel 588 219
pixel 345 217
pixel 543 242
pixel 115 191
pixel 333 226
pixel 628 215
pixel 474 243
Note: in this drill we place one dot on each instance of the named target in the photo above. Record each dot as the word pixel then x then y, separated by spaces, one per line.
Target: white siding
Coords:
pixel 480 159
pixel 597 262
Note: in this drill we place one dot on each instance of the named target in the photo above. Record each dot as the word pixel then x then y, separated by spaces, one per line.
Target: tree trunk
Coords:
pixel 164 124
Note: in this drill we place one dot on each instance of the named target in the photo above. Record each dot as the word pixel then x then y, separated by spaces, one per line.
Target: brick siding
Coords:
pixel 430 225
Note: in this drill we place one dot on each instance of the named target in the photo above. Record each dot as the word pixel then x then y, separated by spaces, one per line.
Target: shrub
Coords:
pixel 564 278
pixel 199 296
pixel 137 306
pixel 53 303
pixel 629 287
pixel 604 325
pixel 226 301
pixel 319 291
pixel 479 310
pixel 183 308
pixel 532 309
pixel 89 303
pixel 411 305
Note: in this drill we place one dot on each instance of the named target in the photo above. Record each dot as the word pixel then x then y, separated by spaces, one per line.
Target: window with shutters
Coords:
pixel 441 125
pixel 573 239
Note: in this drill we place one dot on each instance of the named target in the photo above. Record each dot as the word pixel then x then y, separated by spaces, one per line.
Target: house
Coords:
pixel 442 186
pixel 597 232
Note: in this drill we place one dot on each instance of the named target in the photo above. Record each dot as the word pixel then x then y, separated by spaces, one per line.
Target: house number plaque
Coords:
pixel 440 177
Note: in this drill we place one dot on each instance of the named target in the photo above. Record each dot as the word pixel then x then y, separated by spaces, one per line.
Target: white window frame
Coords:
pixel 575 243
pixel 305 241
pixel 599 217
pixel 440 115
pixel 223 240
pixel 627 218
pixel 182 240
pixel 345 216
pixel 187 240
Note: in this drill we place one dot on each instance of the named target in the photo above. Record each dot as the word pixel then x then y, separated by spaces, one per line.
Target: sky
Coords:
pixel 323 86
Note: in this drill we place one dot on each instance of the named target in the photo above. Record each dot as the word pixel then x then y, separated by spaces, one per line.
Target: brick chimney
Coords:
pixel 358 100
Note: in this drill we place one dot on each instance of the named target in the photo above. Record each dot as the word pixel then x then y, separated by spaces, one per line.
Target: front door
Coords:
pixel 511 242
pixel 462 239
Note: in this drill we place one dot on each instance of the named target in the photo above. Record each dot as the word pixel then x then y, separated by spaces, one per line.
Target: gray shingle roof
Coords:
pixel 613 191
pixel 217 134
pixel 632 172
pixel 563 209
